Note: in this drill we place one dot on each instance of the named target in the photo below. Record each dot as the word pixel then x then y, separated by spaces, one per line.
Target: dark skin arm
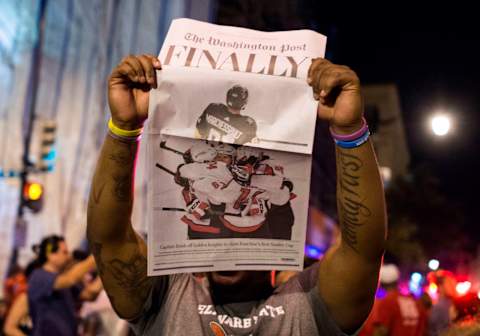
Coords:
pixel 120 253
pixel 348 276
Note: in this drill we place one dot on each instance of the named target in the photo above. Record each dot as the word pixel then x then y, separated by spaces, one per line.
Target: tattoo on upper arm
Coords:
pixel 352 210
pixel 130 275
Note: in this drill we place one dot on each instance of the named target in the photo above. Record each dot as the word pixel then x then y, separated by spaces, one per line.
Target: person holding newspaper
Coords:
pixel 333 297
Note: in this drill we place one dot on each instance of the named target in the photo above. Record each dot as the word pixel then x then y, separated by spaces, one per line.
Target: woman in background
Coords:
pixel 53 289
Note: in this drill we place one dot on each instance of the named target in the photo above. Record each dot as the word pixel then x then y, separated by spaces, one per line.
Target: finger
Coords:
pixel 337 78
pixel 320 73
pixel 155 61
pixel 137 67
pixel 126 70
pixel 316 64
pixel 148 68
pixel 156 66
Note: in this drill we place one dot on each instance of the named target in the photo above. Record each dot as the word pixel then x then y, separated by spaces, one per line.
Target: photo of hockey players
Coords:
pixel 214 190
pixel 226 121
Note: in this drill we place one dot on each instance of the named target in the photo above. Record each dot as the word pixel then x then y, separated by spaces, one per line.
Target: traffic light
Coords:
pixel 47 149
pixel 33 196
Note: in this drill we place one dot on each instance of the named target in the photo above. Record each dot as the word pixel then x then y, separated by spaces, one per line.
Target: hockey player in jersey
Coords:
pixel 267 211
pixel 208 185
pixel 197 217
pixel 220 122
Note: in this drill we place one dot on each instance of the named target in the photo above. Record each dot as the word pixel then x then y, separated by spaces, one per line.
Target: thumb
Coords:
pixel 324 111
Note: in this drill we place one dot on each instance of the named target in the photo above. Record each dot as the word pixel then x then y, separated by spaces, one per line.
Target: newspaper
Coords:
pixel 229 142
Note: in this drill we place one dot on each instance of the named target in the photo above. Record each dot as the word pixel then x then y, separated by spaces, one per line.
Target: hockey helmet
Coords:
pixel 237 97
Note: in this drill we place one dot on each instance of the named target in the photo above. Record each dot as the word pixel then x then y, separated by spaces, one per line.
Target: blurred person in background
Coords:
pixel 3 313
pixel 14 285
pixel 443 312
pixel 18 322
pixel 469 327
pixel 99 318
pixel 53 288
pixel 395 314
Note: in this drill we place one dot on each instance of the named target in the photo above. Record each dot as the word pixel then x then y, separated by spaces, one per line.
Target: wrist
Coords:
pixel 128 125
pixel 122 134
pixel 352 136
pixel 348 129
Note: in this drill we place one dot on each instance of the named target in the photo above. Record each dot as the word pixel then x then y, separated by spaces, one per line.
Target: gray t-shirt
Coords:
pixel 181 305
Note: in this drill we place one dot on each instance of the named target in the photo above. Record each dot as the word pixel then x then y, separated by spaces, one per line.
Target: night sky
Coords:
pixel 433 55
pixel 430 50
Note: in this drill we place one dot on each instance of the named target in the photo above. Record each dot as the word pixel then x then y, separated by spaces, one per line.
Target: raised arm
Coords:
pixel 349 272
pixel 120 253
pixel 75 274
pixel 92 290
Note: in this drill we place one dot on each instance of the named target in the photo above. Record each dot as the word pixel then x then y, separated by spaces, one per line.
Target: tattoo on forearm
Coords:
pixel 123 157
pixel 352 210
pixel 122 189
pixel 123 162
pixel 97 192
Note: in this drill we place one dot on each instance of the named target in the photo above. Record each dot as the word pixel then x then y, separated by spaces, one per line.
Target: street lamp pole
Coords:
pixel 27 125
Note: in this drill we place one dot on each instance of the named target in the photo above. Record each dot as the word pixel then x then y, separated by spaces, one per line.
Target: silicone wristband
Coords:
pixel 353 136
pixel 124 133
pixel 353 144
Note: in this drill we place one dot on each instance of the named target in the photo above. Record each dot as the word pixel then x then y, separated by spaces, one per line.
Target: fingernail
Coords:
pixel 323 93
pixel 142 79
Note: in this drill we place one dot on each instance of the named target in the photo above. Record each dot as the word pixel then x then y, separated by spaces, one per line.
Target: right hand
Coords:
pixel 128 90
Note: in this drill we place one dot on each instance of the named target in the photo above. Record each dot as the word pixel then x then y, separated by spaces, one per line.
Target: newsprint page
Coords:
pixel 229 141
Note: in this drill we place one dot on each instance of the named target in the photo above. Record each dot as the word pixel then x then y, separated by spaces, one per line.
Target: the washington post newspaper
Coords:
pixel 229 141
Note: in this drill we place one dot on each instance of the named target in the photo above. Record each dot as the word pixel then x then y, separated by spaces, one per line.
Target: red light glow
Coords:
pixel 463 287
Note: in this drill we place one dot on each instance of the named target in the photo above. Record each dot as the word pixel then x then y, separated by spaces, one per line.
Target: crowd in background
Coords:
pixel 57 293
pixel 395 313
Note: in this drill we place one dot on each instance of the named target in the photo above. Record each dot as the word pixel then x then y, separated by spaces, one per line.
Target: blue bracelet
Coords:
pixel 354 143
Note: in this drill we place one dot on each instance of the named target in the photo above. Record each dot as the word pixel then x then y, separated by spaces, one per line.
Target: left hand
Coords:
pixel 337 89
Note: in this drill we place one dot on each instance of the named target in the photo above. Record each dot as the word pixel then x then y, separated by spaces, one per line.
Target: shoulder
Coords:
pixel 193 170
pixel 168 295
pixel 246 120
pixel 300 296
pixel 170 285
pixel 41 275
pixel 40 283
pixel 304 281
pixel 216 108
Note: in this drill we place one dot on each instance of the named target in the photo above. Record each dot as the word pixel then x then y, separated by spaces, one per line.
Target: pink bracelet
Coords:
pixel 353 136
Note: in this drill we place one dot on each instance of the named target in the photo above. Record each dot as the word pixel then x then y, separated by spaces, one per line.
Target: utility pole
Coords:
pixel 29 115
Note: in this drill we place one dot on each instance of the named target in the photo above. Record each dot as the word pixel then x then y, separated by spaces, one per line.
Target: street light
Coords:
pixel 440 125
pixel 433 264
